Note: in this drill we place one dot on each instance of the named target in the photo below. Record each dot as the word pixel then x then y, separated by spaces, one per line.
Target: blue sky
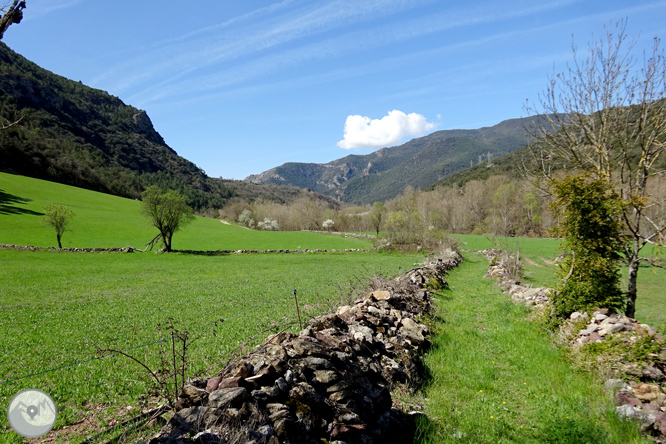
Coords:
pixel 240 87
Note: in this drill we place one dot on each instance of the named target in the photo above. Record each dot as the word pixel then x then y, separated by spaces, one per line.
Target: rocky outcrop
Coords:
pixel 330 383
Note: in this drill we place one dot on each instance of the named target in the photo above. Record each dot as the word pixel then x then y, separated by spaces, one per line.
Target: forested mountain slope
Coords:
pixel 385 173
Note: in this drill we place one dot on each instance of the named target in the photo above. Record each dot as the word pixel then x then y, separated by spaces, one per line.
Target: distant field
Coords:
pixel 103 220
pixel 539 254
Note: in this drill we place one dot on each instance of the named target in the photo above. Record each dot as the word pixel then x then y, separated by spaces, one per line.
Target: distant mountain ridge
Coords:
pixel 385 173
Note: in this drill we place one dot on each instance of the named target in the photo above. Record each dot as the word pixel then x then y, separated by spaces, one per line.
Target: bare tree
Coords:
pixel 606 115
pixel 12 12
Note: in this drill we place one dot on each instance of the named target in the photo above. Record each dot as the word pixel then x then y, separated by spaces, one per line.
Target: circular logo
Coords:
pixel 32 413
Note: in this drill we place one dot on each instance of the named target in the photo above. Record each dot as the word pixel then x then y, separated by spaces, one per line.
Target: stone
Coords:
pixel 615 385
pixel 648 392
pixel 653 373
pixel 380 295
pixel 193 395
pixel 413 331
pixel 599 317
pixel 227 397
pixel 627 411
pixel 230 382
pixel 615 328
pixel 622 398
pixel 213 384
pixel 578 315
pixel 589 330
pixel 660 423
pixel 326 376
pixel 207 438
pixel 279 338
pixel 299 347
pixel 362 333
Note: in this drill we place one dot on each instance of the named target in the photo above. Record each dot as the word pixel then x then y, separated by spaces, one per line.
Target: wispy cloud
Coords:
pixel 38 8
pixel 293 33
pixel 353 41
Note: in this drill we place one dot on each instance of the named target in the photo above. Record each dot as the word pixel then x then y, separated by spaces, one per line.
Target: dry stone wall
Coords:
pixel 330 383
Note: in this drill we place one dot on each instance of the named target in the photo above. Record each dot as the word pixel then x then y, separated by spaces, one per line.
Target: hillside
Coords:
pixel 383 174
pixel 77 135
pixel 104 221
pixel 521 162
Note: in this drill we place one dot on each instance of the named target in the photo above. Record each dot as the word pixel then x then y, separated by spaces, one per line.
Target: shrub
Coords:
pixel 589 211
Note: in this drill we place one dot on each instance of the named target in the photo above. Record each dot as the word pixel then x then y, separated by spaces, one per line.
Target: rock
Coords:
pixel 615 328
pixel 227 397
pixel 380 295
pixel 213 384
pixel 660 423
pixel 629 412
pixel 653 373
pixel 589 330
pixel 207 438
pixel 413 331
pixel 192 396
pixel 300 347
pixel 648 393
pixel 577 315
pixel 615 385
pixel 362 333
pixel 326 376
pixel 622 398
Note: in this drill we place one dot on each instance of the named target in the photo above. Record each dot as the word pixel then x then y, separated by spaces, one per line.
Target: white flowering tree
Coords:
pixel 268 225
pixel 328 224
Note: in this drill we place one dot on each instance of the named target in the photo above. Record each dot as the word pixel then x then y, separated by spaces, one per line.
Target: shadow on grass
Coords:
pixel 8 202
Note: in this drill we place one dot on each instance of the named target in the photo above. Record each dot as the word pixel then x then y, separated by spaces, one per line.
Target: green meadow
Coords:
pixel 105 221
pixel 538 256
pixel 58 309
pixel 496 376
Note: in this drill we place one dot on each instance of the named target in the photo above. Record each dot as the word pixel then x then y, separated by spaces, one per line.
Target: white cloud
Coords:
pixel 363 132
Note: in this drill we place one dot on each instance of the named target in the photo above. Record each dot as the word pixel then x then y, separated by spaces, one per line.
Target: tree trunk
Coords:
pixel 58 236
pixel 631 288
pixel 167 243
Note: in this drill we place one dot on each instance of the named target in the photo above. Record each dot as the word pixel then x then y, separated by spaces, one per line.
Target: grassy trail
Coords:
pixel 496 377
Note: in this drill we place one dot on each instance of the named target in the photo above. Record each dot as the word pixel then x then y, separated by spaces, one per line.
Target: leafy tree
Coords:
pixel 58 216
pixel 167 212
pixel 377 215
pixel 591 226
pixel 606 117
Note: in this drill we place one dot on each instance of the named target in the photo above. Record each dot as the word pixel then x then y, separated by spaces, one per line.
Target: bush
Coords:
pixel 590 213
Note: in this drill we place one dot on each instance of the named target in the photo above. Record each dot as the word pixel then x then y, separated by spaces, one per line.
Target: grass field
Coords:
pixel 58 308
pixel 497 378
pixel 105 221
pixel 538 255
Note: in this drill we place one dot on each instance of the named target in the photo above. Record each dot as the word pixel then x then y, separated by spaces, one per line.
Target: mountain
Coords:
pixel 70 133
pixel 385 173
pixel 73 134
